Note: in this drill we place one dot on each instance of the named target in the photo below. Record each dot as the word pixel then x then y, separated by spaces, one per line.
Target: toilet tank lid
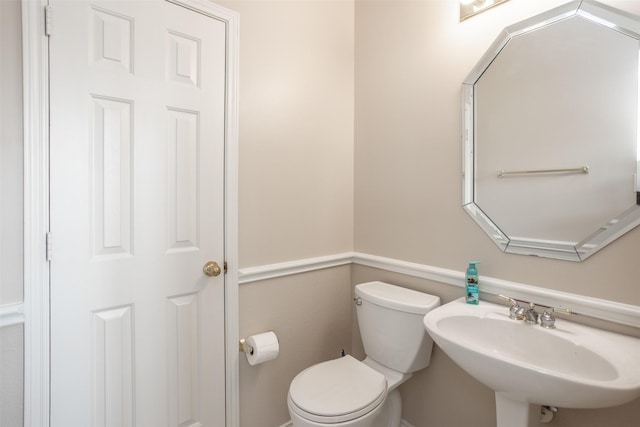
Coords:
pixel 396 297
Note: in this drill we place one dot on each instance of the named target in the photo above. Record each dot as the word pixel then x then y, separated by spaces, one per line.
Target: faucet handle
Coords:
pixel 516 311
pixel 548 320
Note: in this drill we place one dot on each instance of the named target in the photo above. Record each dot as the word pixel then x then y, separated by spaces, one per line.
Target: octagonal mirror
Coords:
pixel 550 133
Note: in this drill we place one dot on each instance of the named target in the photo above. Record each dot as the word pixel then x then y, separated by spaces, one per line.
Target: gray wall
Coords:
pixel 11 376
pixel 295 187
pixel 408 59
pixel 411 58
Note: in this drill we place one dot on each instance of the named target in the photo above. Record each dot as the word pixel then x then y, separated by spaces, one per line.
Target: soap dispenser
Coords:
pixel 471 286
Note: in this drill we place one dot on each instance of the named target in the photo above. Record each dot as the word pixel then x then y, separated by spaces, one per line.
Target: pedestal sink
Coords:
pixel 572 366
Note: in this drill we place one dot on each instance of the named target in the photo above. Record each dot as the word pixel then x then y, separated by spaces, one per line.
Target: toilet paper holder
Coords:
pixel 260 348
pixel 244 347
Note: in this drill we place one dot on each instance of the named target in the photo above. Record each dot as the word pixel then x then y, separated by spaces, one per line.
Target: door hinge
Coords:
pixel 47 20
pixel 49 246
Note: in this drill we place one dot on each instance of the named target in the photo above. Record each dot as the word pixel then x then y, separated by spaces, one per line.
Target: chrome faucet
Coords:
pixel 516 311
pixel 531 315
pixel 548 320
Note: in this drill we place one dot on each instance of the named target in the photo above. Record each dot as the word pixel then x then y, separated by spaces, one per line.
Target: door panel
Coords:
pixel 137 166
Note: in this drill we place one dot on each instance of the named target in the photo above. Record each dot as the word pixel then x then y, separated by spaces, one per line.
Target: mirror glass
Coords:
pixel 550 133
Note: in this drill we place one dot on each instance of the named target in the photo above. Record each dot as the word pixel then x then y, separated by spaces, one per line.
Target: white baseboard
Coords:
pixel 612 311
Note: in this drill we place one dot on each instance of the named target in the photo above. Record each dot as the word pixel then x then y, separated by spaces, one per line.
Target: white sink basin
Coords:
pixel 572 366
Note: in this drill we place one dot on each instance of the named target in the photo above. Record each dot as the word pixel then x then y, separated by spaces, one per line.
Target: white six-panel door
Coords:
pixel 137 189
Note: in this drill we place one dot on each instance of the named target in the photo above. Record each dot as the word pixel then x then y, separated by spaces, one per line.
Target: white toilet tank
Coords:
pixel 390 321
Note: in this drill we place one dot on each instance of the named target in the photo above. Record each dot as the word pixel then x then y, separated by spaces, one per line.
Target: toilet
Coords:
pixel 346 392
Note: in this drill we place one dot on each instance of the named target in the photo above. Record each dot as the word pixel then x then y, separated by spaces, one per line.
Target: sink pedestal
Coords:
pixel 514 413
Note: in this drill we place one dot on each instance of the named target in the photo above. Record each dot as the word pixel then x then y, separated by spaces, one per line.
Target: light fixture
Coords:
pixel 469 8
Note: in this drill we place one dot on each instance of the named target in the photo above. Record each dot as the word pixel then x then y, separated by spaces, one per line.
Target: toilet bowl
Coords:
pixel 346 392
pixel 343 392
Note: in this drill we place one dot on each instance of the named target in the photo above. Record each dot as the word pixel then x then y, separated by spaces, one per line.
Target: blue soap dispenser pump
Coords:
pixel 471 286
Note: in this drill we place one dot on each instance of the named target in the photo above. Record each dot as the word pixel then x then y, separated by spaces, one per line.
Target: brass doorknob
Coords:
pixel 212 268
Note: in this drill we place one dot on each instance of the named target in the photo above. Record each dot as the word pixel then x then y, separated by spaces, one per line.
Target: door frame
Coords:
pixel 35 62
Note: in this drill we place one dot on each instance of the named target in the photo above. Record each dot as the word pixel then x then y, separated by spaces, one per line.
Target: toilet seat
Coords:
pixel 336 391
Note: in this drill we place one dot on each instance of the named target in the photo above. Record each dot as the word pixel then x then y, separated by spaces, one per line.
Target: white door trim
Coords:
pixel 36 208
pixel 36 213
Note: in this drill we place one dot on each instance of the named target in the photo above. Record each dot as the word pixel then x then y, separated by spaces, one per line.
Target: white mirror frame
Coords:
pixel 596 12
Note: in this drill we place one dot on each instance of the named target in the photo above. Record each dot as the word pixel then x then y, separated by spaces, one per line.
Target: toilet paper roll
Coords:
pixel 261 347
